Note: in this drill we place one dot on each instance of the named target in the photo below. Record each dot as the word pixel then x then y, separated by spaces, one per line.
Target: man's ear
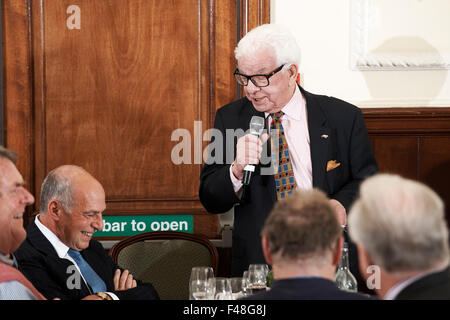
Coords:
pixel 266 250
pixel 293 71
pixel 54 209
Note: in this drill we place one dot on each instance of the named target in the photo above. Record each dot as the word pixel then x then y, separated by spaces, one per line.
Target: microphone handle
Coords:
pixel 248 170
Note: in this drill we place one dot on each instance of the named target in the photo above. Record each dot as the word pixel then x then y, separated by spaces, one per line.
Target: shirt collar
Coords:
pixel 6 260
pixel 293 108
pixel 60 248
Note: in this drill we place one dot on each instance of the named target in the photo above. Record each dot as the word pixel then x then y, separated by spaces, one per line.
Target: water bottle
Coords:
pixel 344 278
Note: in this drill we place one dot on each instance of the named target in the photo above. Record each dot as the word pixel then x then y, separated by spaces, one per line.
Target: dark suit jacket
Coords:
pixel 435 286
pixel 347 143
pixel 306 289
pixel 39 262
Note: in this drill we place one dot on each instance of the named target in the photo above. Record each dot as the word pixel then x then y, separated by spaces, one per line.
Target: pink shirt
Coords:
pixel 295 124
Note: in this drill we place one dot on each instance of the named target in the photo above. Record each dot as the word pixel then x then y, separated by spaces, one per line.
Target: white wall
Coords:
pixel 410 38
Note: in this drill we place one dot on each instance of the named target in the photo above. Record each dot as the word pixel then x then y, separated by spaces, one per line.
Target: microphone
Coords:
pixel 256 128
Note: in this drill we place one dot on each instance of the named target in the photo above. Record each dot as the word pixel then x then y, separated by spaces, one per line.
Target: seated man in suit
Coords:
pixel 400 231
pixel 302 240
pixel 13 200
pixel 59 255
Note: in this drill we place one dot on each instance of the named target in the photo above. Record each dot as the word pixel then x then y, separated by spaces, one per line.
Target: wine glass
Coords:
pixel 198 283
pixel 257 280
pixel 262 267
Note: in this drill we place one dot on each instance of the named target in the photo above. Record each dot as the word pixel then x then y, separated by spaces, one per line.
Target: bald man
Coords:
pixel 60 257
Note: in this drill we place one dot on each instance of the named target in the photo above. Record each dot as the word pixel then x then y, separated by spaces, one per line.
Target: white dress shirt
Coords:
pixel 295 125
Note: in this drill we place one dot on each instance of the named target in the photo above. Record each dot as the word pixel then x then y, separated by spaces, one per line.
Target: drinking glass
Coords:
pixel 245 283
pixel 237 287
pixel 257 281
pixel 219 289
pixel 259 267
pixel 198 283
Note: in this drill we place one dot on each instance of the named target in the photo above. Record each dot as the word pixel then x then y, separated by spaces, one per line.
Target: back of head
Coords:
pixel 302 228
pixel 400 223
pixel 274 36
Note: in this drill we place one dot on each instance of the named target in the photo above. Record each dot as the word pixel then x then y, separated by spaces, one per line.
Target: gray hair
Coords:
pixel 56 187
pixel 303 228
pixel 400 223
pixel 273 36
pixel 8 154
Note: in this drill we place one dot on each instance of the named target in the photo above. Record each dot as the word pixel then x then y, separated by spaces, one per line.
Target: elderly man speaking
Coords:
pixel 322 142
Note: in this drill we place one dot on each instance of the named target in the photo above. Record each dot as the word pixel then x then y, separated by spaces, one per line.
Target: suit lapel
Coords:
pixel 57 266
pixel 39 241
pixel 319 134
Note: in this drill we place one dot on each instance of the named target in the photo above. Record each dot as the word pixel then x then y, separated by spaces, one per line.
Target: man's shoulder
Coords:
pixel 332 105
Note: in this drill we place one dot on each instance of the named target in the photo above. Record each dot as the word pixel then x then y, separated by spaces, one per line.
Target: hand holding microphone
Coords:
pixel 248 150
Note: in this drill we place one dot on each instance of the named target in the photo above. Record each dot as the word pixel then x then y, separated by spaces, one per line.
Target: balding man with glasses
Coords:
pixel 320 142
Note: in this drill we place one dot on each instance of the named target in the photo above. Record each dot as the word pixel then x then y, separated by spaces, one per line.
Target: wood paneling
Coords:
pixel 109 95
pixel 18 95
pixel 415 143
pixel 394 154
pixel 115 90
pixel 434 158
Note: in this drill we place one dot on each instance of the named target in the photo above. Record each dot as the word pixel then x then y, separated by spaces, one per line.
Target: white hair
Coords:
pixel 273 36
pixel 400 223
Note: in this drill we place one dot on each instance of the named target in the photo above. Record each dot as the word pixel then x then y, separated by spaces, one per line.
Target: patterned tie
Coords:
pixel 284 174
pixel 92 278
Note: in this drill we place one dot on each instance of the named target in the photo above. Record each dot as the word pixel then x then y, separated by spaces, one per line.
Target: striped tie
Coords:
pixel 284 174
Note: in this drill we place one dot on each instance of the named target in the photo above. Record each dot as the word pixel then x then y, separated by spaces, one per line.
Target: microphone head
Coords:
pixel 256 125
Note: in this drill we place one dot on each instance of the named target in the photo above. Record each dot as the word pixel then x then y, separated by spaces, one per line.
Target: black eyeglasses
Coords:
pixel 259 80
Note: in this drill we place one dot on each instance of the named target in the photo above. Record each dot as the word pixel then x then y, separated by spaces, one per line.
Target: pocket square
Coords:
pixel 332 164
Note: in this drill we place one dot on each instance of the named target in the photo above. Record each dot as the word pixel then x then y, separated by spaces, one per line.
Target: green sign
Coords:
pixel 118 226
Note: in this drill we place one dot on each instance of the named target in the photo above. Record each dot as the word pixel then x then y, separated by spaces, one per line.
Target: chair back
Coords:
pixel 165 259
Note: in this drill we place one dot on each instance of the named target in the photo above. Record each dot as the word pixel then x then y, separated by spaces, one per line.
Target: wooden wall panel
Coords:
pixel 108 96
pixel 396 155
pixel 18 87
pixel 415 143
pixel 117 88
pixel 434 168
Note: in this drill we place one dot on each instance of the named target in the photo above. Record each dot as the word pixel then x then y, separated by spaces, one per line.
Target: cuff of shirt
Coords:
pixel 112 295
pixel 237 184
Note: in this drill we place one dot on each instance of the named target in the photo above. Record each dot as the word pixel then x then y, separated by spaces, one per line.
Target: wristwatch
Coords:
pixel 103 295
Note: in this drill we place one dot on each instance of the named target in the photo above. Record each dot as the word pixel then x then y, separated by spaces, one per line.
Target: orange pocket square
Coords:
pixel 332 164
